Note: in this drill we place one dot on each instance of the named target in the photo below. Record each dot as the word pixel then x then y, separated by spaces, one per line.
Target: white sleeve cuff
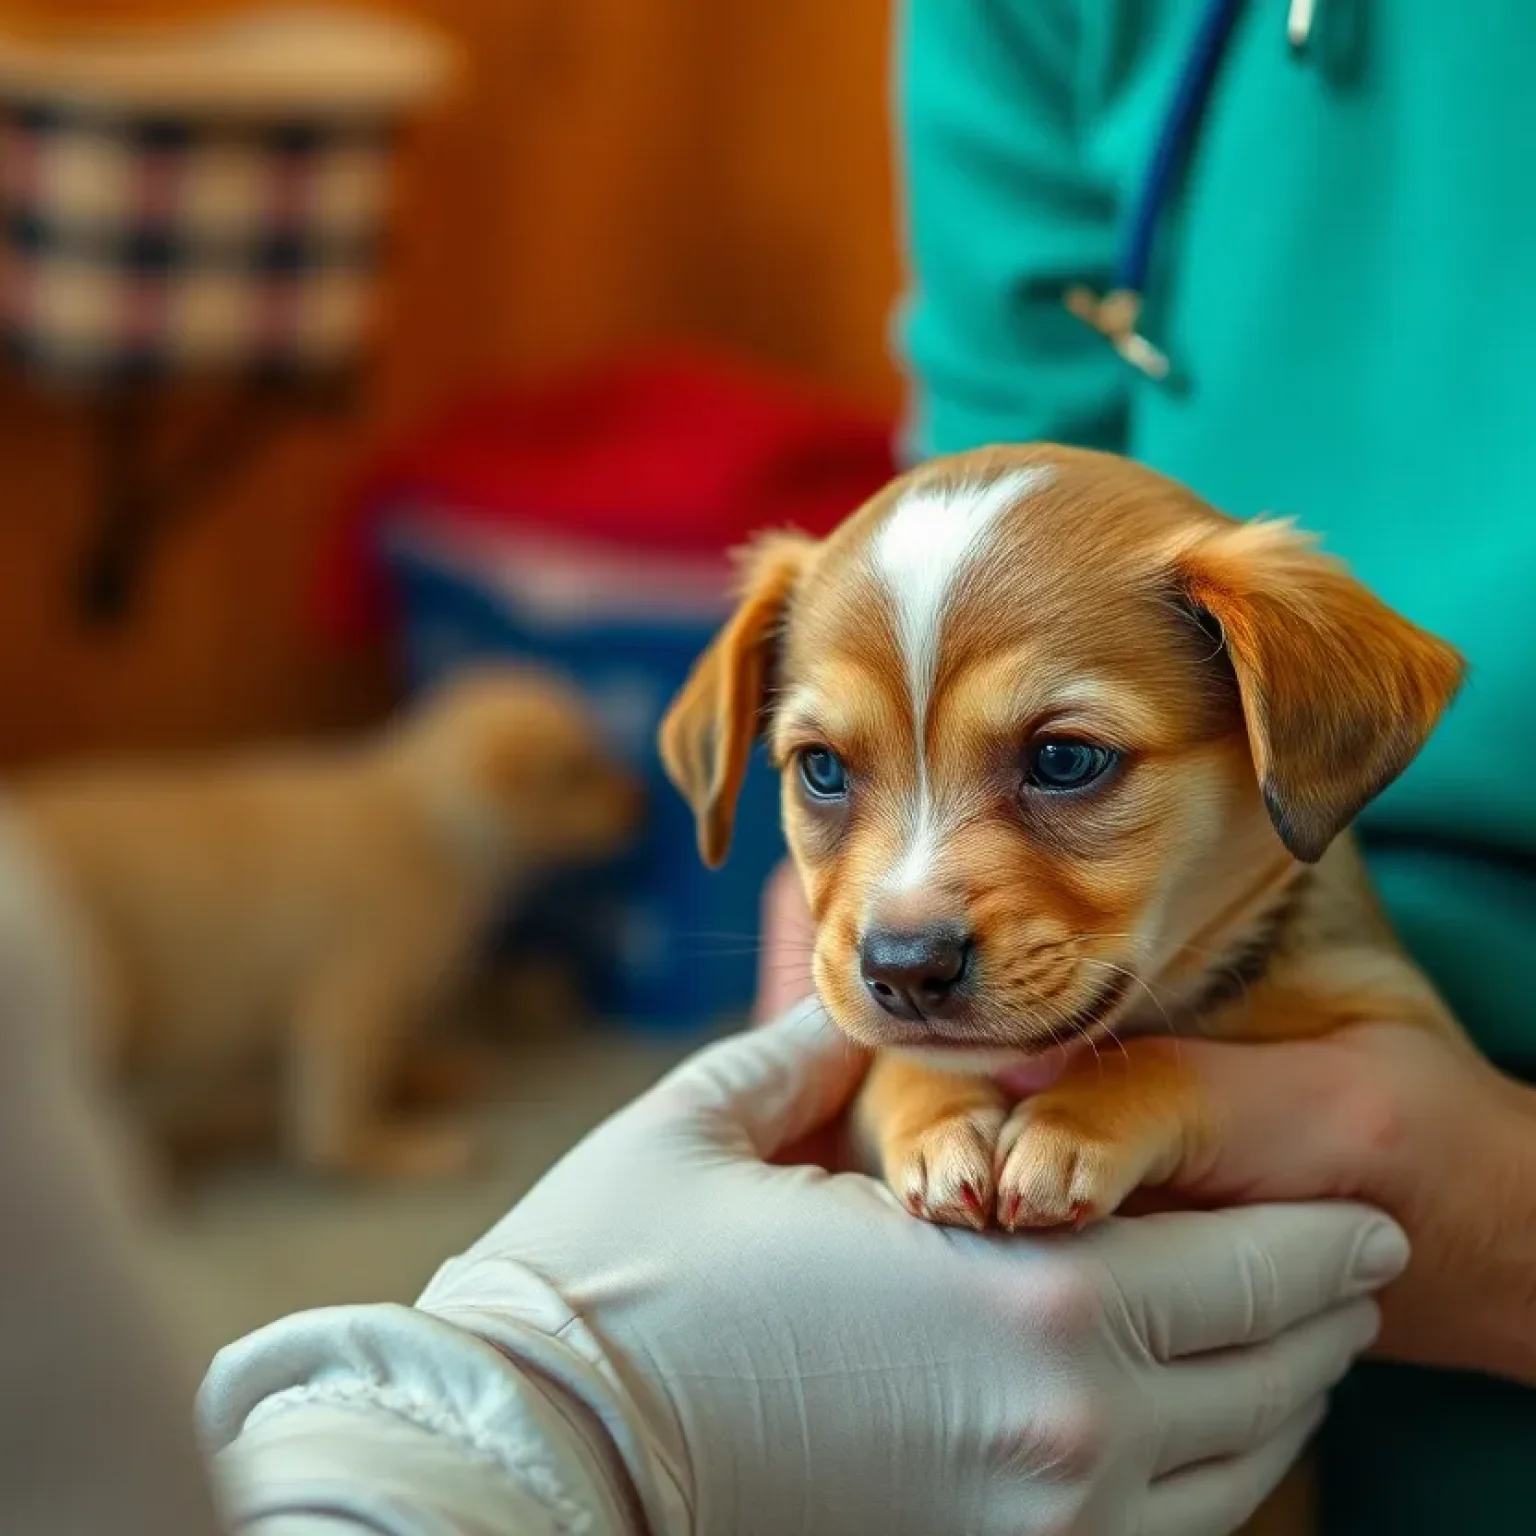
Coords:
pixel 313 1471
pixel 386 1421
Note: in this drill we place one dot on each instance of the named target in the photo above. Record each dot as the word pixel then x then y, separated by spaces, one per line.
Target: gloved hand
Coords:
pixel 777 1349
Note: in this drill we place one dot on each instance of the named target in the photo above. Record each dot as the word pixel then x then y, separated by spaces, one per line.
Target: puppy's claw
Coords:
pixel 1053 1174
pixel 945 1172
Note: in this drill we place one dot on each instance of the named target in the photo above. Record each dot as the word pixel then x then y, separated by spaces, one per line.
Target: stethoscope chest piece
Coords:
pixel 1114 316
pixel 1298 24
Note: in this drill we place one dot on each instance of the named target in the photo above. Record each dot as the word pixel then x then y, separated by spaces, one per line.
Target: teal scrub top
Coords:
pixel 1344 278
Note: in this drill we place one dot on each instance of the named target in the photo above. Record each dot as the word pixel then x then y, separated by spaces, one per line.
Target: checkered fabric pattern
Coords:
pixel 138 248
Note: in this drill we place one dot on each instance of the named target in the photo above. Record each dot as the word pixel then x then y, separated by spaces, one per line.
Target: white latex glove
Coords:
pixel 777 1349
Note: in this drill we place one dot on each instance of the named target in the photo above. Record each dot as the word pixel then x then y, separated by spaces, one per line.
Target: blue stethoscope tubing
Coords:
pixel 1158 182
pixel 1117 313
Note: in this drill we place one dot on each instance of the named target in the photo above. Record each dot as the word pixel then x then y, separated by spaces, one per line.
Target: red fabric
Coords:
pixel 671 455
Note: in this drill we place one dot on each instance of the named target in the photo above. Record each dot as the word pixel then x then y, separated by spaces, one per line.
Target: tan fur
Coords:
pixel 708 734
pixel 306 908
pixel 1260 697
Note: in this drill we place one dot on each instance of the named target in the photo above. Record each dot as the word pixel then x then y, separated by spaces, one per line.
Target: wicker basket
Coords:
pixel 211 200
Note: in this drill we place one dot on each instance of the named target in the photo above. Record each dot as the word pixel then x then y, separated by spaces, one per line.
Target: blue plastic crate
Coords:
pixel 660 942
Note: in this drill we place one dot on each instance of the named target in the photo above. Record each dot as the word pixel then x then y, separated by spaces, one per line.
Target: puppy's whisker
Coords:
pixel 745 951
pixel 1221 964
pixel 1054 1015
pixel 1146 986
pixel 788 973
pixel 1140 981
pixel 745 944
pixel 744 936
pixel 1086 1033
pixel 1140 938
pixel 807 1008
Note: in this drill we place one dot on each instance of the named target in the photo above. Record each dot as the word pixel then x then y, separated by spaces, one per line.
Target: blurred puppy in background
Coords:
pixel 307 908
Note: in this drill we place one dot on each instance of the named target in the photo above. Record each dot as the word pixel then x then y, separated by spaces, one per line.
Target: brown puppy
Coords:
pixel 1067 756
pixel 308 907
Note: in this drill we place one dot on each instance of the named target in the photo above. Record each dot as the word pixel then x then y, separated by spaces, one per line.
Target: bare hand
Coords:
pixel 1416 1125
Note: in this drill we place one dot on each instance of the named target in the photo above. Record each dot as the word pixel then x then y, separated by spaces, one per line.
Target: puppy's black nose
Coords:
pixel 914 975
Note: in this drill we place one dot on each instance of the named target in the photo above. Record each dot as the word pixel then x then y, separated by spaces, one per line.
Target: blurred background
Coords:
pixel 344 348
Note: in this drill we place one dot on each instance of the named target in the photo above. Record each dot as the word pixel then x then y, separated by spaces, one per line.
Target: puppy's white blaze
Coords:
pixel 916 864
pixel 921 553
pixel 923 549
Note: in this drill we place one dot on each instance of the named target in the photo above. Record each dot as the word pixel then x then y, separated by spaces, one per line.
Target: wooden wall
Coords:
pixel 610 171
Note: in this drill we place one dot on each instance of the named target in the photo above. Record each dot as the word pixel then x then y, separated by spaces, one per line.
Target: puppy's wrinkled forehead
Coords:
pixel 934 543
pixel 1036 561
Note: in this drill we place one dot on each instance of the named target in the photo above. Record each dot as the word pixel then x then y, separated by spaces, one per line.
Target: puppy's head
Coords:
pixel 1045 722
pixel 519 765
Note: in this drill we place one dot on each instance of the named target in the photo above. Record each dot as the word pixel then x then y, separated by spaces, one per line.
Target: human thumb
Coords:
pixel 759 1091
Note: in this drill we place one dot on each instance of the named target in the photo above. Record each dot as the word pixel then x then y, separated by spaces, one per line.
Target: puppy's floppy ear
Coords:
pixel 1339 692
pixel 707 736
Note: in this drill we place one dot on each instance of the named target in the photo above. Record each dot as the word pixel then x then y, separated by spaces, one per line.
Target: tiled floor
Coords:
pixel 254 1244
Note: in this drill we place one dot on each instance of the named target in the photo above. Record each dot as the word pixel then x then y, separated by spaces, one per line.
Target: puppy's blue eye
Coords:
pixel 1064 764
pixel 823 774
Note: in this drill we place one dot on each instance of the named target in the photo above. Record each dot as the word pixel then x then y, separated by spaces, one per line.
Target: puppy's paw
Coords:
pixel 1055 1170
pixel 944 1173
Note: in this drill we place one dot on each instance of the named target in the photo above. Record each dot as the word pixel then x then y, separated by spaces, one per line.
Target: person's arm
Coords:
pixel 680 1316
pixel 367 1421
pixel 1419 1126
pixel 1001 216
pixel 97 1424
pixel 387 1421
